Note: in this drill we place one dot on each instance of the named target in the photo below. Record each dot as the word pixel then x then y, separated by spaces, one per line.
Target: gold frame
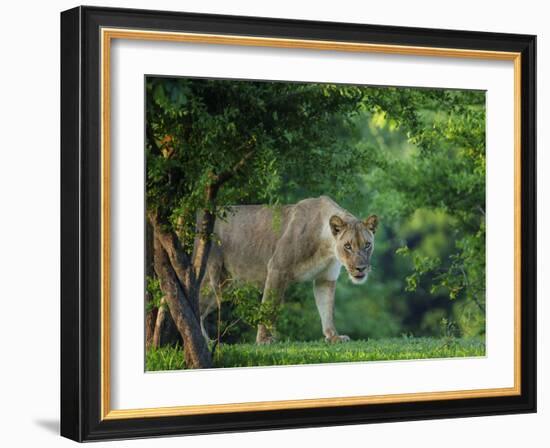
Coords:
pixel 107 35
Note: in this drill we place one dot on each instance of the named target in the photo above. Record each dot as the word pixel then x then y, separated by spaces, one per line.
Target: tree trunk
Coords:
pixel 165 331
pixel 151 312
pixel 150 321
pixel 160 329
pixel 183 309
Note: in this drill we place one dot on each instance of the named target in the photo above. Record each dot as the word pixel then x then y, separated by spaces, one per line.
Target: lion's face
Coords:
pixel 354 245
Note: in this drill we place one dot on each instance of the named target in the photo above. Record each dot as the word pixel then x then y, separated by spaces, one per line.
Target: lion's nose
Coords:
pixel 361 268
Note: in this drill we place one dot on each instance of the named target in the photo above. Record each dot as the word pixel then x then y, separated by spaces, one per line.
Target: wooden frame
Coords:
pixel 86 34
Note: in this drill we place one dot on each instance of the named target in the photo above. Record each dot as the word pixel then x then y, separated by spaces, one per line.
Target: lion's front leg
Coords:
pixel 323 290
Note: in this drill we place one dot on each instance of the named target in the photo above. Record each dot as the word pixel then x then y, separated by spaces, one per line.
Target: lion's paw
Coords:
pixel 338 338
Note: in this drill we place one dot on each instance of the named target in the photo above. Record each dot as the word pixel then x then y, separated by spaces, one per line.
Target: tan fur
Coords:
pixel 274 247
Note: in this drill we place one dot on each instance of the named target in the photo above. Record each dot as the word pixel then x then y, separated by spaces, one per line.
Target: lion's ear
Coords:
pixel 337 224
pixel 371 223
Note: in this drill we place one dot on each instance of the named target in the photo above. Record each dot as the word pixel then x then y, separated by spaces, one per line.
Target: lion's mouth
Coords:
pixel 358 277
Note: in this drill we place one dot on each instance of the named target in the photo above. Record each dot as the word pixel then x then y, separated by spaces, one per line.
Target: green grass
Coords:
pixel 292 353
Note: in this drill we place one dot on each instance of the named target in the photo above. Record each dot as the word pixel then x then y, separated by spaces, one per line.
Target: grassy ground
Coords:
pixel 292 353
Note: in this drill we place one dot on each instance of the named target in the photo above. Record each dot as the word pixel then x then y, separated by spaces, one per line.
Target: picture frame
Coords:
pixel 86 207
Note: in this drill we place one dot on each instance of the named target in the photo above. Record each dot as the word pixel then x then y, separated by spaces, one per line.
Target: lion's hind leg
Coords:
pixel 207 305
pixel 210 294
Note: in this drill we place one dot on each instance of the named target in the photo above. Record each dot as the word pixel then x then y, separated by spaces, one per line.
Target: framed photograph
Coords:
pixel 273 223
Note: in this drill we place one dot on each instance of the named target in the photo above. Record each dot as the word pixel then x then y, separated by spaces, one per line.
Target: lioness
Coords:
pixel 311 241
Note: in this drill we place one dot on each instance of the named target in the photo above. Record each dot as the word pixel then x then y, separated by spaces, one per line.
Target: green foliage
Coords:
pixel 199 130
pixel 248 307
pixel 169 357
pixel 421 265
pixel 241 312
pixel 432 186
pixel 469 318
pixel 152 288
pixel 293 353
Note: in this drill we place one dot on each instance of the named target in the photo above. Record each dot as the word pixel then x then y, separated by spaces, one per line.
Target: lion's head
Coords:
pixel 354 244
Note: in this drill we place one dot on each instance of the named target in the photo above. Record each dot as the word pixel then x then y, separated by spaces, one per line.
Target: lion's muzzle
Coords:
pixel 359 274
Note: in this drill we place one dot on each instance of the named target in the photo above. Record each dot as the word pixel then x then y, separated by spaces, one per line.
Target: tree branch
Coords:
pixel 223 177
pixel 474 296
pixel 203 244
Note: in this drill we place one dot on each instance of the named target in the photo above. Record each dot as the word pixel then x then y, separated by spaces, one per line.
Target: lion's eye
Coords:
pixel 347 246
pixel 367 245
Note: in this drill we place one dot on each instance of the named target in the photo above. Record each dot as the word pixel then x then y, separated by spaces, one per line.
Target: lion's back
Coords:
pixel 250 234
pixel 247 238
